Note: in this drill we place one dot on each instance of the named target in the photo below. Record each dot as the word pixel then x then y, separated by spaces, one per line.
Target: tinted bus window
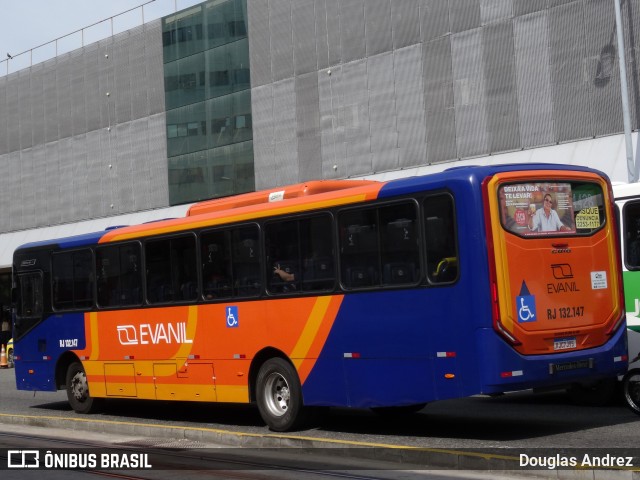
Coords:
pixel 171 269
pixel 631 222
pixel 440 238
pixel 119 273
pixel 72 274
pixel 30 294
pixel 539 209
pixel 246 260
pixel 379 246
pixel 217 277
pixel 300 255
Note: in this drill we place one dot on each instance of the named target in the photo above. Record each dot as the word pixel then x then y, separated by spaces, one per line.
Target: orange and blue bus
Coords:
pixel 363 294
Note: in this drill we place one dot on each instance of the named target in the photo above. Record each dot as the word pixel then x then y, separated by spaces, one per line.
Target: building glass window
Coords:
pixel 208 101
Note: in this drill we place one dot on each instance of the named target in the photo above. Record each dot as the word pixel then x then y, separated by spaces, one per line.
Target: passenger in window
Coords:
pixel 284 274
pixel 546 219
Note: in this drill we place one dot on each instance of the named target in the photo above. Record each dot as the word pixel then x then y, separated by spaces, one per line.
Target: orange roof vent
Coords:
pixel 274 195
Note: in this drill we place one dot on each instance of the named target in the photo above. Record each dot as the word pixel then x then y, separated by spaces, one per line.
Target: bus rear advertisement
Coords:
pixel 363 294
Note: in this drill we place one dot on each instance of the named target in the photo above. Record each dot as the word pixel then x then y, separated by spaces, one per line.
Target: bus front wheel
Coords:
pixel 78 390
pixel 279 396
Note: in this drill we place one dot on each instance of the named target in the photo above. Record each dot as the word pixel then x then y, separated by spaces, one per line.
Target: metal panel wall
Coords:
pixel 28 196
pixel 602 72
pixel 153 86
pixel 53 184
pixel 156 139
pixel 285 164
pixel 439 104
pixel 37 105
pixel 570 92
pixel 24 109
pixel 13 112
pixel 500 80
pixel 121 94
pixel 523 7
pixel 65 181
pixel 377 15
pixel 405 18
pixel 356 118
pixel 263 124
pixel 13 207
pixel 434 19
pixel 469 93
pixel 495 10
pixel 304 37
pixel 383 121
pixel 332 138
pixel 308 131
pixel 39 184
pixel 56 137
pixel 259 42
pixel 464 15
pixel 5 178
pixel 63 95
pixel 80 207
pixel 410 106
pixel 4 146
pixel 352 30
pixel 281 39
pixel 535 106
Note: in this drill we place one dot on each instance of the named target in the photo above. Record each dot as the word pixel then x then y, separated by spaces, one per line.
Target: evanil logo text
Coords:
pixel 147 333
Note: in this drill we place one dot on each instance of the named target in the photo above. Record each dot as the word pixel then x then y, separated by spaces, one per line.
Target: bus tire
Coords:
pixel 78 390
pixel 631 390
pixel 279 396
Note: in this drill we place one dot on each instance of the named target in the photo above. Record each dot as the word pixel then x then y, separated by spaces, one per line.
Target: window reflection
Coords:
pixel 208 100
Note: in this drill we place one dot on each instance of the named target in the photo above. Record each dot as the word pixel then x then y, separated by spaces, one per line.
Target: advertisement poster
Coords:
pixel 537 209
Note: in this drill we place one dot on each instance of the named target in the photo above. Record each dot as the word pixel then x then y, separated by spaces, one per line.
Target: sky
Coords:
pixel 26 24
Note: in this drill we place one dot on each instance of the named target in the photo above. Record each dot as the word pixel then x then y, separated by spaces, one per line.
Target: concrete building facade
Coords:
pixel 229 96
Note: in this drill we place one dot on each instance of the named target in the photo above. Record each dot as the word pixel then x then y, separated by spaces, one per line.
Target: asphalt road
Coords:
pixel 522 420
pixel 477 433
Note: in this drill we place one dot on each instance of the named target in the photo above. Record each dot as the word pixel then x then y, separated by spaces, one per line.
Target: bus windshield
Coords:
pixel 541 209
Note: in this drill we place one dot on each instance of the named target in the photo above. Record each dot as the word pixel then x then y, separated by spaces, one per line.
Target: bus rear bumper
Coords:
pixel 507 370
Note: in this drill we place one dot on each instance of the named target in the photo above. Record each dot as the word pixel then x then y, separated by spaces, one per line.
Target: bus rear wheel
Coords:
pixel 631 390
pixel 279 396
pixel 78 390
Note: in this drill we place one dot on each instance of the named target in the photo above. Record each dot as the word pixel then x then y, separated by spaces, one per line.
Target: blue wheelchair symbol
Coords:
pixel 526 308
pixel 232 317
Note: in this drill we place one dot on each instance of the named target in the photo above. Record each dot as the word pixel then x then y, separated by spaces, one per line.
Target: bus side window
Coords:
pixel 440 239
pixel 171 269
pixel 217 281
pixel 72 275
pixel 119 275
pixel 246 261
pixel 400 254
pixel 359 248
pixel 631 218
pixel 283 256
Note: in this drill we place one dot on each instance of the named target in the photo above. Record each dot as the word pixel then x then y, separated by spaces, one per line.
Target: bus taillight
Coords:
pixel 496 317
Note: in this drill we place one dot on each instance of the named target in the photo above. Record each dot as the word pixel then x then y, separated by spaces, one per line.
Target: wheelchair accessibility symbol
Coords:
pixel 232 317
pixel 526 305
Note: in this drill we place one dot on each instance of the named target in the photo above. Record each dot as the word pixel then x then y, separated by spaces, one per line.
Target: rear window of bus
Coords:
pixel 542 209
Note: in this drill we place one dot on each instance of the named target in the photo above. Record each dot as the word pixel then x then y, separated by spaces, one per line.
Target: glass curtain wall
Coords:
pixel 208 101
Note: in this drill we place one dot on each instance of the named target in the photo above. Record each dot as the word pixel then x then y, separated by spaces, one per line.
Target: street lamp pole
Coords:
pixel 632 171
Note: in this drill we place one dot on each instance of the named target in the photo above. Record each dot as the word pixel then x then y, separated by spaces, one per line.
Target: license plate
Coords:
pixel 564 343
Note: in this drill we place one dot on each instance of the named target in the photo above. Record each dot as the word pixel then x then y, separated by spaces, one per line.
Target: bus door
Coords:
pixel 631 271
pixel 554 245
